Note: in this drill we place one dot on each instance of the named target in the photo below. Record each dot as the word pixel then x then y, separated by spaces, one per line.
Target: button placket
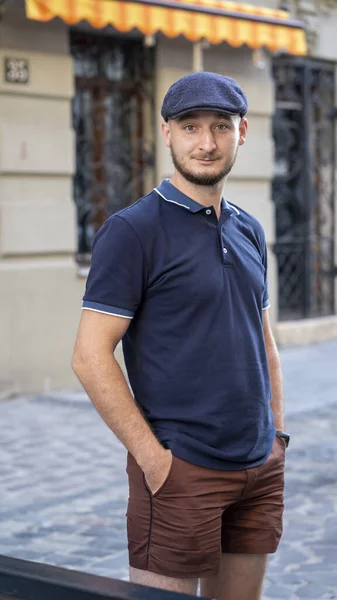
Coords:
pixel 225 250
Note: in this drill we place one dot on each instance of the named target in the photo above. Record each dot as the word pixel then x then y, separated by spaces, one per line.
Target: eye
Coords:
pixel 222 127
pixel 189 127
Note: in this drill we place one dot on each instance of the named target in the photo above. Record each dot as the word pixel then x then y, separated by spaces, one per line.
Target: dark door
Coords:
pixel 111 108
pixel 304 186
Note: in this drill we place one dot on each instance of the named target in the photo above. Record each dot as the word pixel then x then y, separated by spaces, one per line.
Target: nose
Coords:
pixel 207 142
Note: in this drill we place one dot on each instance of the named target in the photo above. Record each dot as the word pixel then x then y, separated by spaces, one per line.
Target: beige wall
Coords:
pixel 249 184
pixel 326 46
pixel 40 293
pixel 20 33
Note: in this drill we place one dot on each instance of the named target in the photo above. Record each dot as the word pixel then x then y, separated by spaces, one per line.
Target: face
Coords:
pixel 204 145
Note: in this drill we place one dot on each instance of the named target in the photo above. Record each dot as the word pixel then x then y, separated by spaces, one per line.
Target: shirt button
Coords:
pixel 208 211
pixel 225 250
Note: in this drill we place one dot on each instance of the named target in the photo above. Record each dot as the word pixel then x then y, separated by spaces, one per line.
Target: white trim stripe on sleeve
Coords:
pixel 109 310
pixel 106 313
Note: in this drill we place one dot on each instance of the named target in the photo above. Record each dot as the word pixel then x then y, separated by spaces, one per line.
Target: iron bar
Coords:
pixel 114 83
pixel 307 190
pixel 304 186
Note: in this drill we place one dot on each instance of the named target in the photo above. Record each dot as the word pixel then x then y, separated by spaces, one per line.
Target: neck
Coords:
pixel 207 195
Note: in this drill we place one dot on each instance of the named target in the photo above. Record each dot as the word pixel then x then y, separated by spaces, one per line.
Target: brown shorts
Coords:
pixel 181 530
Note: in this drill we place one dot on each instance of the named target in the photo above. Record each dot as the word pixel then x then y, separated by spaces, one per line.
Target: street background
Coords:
pixel 80 138
pixel 63 486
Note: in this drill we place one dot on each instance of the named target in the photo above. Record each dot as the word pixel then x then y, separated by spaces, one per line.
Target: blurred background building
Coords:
pixel 81 84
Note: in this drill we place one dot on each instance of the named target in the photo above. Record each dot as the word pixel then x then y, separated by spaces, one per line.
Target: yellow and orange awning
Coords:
pixel 213 20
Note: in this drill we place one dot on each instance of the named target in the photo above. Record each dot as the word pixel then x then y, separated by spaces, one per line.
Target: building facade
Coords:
pixel 80 138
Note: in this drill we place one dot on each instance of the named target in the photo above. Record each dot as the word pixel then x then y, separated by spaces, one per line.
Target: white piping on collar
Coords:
pixel 233 207
pixel 173 201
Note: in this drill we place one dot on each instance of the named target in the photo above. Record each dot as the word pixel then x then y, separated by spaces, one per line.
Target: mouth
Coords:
pixel 206 161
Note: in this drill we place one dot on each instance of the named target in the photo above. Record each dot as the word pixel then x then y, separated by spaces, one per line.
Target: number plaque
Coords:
pixel 16 70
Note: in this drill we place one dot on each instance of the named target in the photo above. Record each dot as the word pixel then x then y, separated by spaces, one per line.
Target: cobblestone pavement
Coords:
pixel 63 487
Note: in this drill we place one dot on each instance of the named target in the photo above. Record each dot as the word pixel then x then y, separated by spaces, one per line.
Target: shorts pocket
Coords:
pixel 163 485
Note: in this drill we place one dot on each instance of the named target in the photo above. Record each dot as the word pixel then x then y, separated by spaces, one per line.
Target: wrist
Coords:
pixel 284 436
pixel 148 456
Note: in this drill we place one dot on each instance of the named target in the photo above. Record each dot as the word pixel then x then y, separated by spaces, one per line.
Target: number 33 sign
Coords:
pixel 16 70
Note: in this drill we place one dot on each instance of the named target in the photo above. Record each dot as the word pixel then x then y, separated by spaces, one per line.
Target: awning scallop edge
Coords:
pixel 214 21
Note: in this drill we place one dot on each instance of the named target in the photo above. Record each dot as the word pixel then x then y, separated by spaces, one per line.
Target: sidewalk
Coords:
pixel 63 487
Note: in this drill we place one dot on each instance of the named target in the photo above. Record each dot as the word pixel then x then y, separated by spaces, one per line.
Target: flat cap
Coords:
pixel 204 91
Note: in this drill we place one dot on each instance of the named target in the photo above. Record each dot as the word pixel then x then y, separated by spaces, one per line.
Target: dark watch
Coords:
pixel 285 436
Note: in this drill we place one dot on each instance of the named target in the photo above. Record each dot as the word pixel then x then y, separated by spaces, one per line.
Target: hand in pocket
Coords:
pixel 157 474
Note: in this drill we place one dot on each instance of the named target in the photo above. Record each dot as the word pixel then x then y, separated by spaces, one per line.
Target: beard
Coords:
pixel 203 179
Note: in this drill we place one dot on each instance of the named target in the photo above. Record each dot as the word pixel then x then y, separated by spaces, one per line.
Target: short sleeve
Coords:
pixel 264 257
pixel 118 274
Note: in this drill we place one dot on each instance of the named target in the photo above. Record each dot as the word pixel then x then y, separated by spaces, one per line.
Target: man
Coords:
pixel 181 277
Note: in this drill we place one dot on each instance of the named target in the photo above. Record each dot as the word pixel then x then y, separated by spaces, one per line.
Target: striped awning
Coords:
pixel 213 20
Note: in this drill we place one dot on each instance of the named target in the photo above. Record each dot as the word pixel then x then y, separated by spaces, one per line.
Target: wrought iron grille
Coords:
pixel 304 186
pixel 114 129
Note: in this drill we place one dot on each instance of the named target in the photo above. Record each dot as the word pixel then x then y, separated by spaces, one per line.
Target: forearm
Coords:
pixel 105 384
pixel 275 373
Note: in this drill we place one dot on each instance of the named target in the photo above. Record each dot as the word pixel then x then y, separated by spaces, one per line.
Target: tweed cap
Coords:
pixel 204 91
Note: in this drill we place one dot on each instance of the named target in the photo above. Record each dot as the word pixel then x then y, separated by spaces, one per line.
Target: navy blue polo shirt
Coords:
pixel 195 288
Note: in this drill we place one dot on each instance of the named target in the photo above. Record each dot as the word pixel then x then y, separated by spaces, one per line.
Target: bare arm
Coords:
pixel 102 378
pixel 275 373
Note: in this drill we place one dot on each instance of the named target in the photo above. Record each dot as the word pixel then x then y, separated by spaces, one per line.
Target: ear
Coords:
pixel 166 131
pixel 243 126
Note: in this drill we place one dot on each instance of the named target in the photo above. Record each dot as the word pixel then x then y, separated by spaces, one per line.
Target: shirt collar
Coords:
pixel 171 194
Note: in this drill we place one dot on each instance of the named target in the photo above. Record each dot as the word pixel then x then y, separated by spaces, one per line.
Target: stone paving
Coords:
pixel 63 487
